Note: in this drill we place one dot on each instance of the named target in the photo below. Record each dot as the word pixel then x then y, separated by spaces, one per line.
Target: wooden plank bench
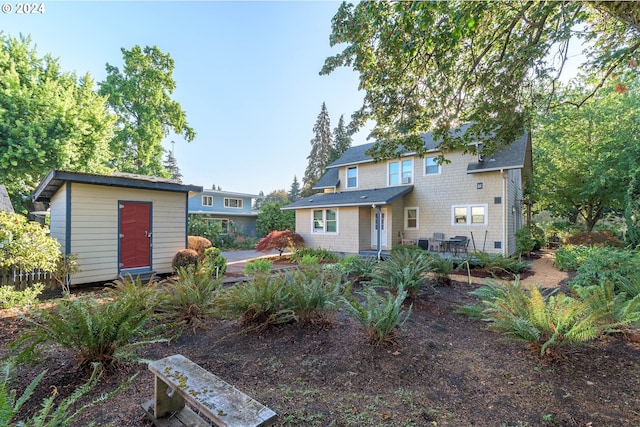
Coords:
pixel 179 380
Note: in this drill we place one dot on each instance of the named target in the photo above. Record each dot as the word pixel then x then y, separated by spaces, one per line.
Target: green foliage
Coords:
pixel 441 268
pixel 380 315
pixel 632 210
pixel 321 146
pixel 405 269
pixel 102 332
pixel 405 247
pixel 66 266
pixel 140 96
pixel 361 267
pixel 189 301
pixel 525 242
pixel 210 230
pixel 214 262
pixel 272 218
pixel 26 245
pixel 49 414
pixel 570 257
pixel 493 64
pixel 498 264
pixel 341 141
pixel 314 295
pixel 322 255
pixel 258 266
pixel 185 258
pixel 548 323
pixel 280 241
pixel 12 298
pixel 50 120
pixel 308 261
pixel 128 287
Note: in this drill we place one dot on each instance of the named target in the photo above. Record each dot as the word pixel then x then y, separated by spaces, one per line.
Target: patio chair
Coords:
pixel 460 245
pixel 436 242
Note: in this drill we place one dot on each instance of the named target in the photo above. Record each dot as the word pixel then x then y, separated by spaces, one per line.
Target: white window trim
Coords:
pixel 206 197
pixel 399 162
pixel 220 220
pixel 324 221
pixel 406 218
pixel 468 207
pixel 347 176
pixel 226 203
pixel 424 169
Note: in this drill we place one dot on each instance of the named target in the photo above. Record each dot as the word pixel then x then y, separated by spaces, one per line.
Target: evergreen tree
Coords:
pixel 341 140
pixel 258 202
pixel 632 211
pixel 294 191
pixel 171 164
pixel 320 150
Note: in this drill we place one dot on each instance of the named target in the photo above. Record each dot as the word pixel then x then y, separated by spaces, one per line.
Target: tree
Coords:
pixel 171 165
pixel 585 157
pixel 341 141
pixel 632 210
pixel 280 241
pixel 437 65
pixel 48 119
pixel 272 218
pixel 278 196
pixel 320 150
pixel 294 191
pixel 140 96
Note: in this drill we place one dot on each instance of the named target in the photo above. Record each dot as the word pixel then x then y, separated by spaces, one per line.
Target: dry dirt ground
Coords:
pixel 446 370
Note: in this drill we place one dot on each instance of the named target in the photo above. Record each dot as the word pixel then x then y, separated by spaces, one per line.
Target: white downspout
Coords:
pixel 504 213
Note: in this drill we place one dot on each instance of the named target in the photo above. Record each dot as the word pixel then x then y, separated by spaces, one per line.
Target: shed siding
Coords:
pixel 94 237
pixel 58 215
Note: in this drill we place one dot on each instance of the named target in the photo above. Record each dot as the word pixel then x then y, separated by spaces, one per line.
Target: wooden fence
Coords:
pixel 23 279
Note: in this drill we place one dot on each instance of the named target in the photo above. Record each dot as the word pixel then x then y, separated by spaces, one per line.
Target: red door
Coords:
pixel 135 235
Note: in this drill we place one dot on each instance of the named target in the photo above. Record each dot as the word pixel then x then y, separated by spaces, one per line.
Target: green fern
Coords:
pixel 314 297
pixel 146 294
pixel 405 269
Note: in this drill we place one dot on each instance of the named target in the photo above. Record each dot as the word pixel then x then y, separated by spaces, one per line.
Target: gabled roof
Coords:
pixel 330 179
pixel 376 196
pixel 515 156
pixel 56 178
pixel 5 201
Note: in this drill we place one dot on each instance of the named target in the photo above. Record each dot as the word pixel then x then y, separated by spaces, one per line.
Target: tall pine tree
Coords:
pixel 294 191
pixel 341 140
pixel 171 165
pixel 320 150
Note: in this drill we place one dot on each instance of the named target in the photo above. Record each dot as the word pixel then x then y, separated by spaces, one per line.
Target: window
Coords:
pixel 352 177
pixel 401 172
pixel 232 203
pixel 410 218
pixel 431 166
pixel 207 200
pixel 224 223
pixel 325 221
pixel 469 215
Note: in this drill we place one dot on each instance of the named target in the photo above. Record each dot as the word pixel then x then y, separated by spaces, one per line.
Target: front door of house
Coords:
pixel 383 228
pixel 134 247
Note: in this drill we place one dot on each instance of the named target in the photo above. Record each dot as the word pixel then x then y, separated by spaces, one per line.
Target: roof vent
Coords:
pixel 363 197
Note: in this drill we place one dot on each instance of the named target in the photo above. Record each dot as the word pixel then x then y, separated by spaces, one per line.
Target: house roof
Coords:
pixel 5 201
pixel 376 196
pixel 56 178
pixel 230 193
pixel 514 156
pixel 331 179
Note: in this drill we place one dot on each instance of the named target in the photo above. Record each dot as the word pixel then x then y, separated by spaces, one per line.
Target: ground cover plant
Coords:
pixel 444 369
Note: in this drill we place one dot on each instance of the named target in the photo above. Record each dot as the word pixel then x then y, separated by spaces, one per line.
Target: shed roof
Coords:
pixel 376 196
pixel 56 178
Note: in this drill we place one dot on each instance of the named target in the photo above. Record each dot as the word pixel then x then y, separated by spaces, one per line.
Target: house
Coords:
pixel 233 211
pixel 116 225
pixel 413 197
pixel 5 201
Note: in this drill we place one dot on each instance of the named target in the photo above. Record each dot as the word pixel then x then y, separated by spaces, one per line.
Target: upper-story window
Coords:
pixel 207 200
pixel 352 177
pixel 401 172
pixel 232 203
pixel 431 166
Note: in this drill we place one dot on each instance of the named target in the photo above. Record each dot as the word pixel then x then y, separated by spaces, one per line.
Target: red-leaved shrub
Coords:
pixel 280 241
pixel 199 244
pixel 596 238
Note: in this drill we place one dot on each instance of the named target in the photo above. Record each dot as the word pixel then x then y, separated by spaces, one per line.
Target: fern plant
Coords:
pixel 258 266
pixel 548 323
pixel 146 294
pixel 405 269
pixel 441 268
pixel 381 315
pixel 94 331
pixel 189 300
pixel 314 297
pixel 360 267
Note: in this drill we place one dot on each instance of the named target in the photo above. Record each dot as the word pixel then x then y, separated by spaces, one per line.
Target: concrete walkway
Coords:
pixel 236 260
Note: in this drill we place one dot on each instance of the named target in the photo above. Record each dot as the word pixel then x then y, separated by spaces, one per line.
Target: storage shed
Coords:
pixel 116 225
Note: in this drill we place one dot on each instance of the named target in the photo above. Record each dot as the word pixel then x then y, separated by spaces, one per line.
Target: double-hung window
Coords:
pixel 352 177
pixel 325 221
pixel 207 200
pixel 411 218
pixel 401 172
pixel 431 166
pixel 232 203
pixel 469 214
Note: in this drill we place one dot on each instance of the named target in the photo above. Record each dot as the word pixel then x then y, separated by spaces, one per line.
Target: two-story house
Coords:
pixel 233 211
pixel 414 197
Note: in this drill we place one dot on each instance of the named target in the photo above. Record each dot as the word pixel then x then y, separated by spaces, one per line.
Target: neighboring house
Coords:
pixel 233 211
pixel 414 197
pixel 116 225
pixel 5 201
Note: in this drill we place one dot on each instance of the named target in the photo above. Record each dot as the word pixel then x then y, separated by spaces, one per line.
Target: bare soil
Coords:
pixel 445 370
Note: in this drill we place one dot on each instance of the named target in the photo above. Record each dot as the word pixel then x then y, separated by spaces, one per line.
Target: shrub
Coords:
pixel 404 269
pixel 10 297
pixel 361 267
pixel 189 300
pixel 525 242
pixel 210 230
pixel 280 241
pixel 570 257
pixel 184 258
pixel 199 244
pixel 406 247
pixel 596 238
pixel 214 261
pixel 314 297
pixel 26 245
pixel 495 264
pixel 65 267
pixel 546 323
pixel 308 261
pixel 441 268
pixel 380 315
pixel 258 266
pixel 322 255
pixel 146 295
